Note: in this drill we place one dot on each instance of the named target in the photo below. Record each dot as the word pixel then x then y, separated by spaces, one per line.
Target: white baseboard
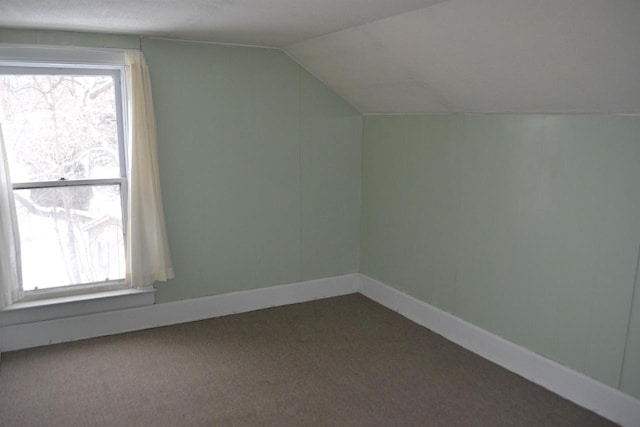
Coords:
pixel 600 398
pixel 26 335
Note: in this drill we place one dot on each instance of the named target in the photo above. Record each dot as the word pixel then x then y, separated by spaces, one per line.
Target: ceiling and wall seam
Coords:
pixel 211 42
pixel 504 113
pixel 409 56
pixel 304 67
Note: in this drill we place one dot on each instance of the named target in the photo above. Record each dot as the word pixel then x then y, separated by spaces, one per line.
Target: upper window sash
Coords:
pixel 115 71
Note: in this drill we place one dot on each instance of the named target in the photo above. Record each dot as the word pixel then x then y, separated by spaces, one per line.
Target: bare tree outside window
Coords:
pixel 61 132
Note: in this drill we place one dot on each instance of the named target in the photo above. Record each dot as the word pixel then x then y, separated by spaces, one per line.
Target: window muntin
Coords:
pixel 64 138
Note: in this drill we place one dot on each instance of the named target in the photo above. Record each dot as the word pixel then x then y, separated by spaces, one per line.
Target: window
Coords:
pixel 64 134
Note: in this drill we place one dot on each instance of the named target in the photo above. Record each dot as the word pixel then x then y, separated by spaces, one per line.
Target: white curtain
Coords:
pixel 10 276
pixel 148 256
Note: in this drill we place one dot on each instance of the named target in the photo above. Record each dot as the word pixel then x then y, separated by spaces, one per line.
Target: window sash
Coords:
pixel 122 182
pixel 117 73
pixel 68 183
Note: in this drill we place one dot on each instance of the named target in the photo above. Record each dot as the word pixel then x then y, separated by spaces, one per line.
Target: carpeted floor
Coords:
pixel 343 361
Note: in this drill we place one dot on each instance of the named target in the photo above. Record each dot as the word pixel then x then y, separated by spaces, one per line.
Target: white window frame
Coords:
pixel 75 66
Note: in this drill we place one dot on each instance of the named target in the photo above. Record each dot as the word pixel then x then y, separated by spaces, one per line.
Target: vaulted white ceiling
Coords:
pixel 576 56
pixel 405 56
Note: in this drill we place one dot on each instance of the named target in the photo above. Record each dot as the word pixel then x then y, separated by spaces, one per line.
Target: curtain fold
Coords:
pixel 10 273
pixel 148 255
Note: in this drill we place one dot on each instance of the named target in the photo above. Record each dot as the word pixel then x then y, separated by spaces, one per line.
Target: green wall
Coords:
pixel 331 171
pixel 260 169
pixel 630 379
pixel 527 226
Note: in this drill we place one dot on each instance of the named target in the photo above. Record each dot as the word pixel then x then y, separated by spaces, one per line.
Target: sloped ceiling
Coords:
pixel 405 56
pixel 564 56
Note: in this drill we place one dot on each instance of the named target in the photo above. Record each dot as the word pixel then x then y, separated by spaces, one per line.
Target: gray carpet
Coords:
pixel 343 361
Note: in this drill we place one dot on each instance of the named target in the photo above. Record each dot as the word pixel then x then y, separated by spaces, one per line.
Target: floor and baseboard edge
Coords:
pixel 606 401
pixel 598 397
pixel 27 335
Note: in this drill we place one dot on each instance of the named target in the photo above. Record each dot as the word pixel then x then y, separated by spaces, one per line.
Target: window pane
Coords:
pixel 59 126
pixel 70 235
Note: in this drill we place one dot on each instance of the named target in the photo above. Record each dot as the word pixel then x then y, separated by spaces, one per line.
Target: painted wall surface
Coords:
pixel 260 168
pixel 630 380
pixel 259 164
pixel 527 226
pixel 330 165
